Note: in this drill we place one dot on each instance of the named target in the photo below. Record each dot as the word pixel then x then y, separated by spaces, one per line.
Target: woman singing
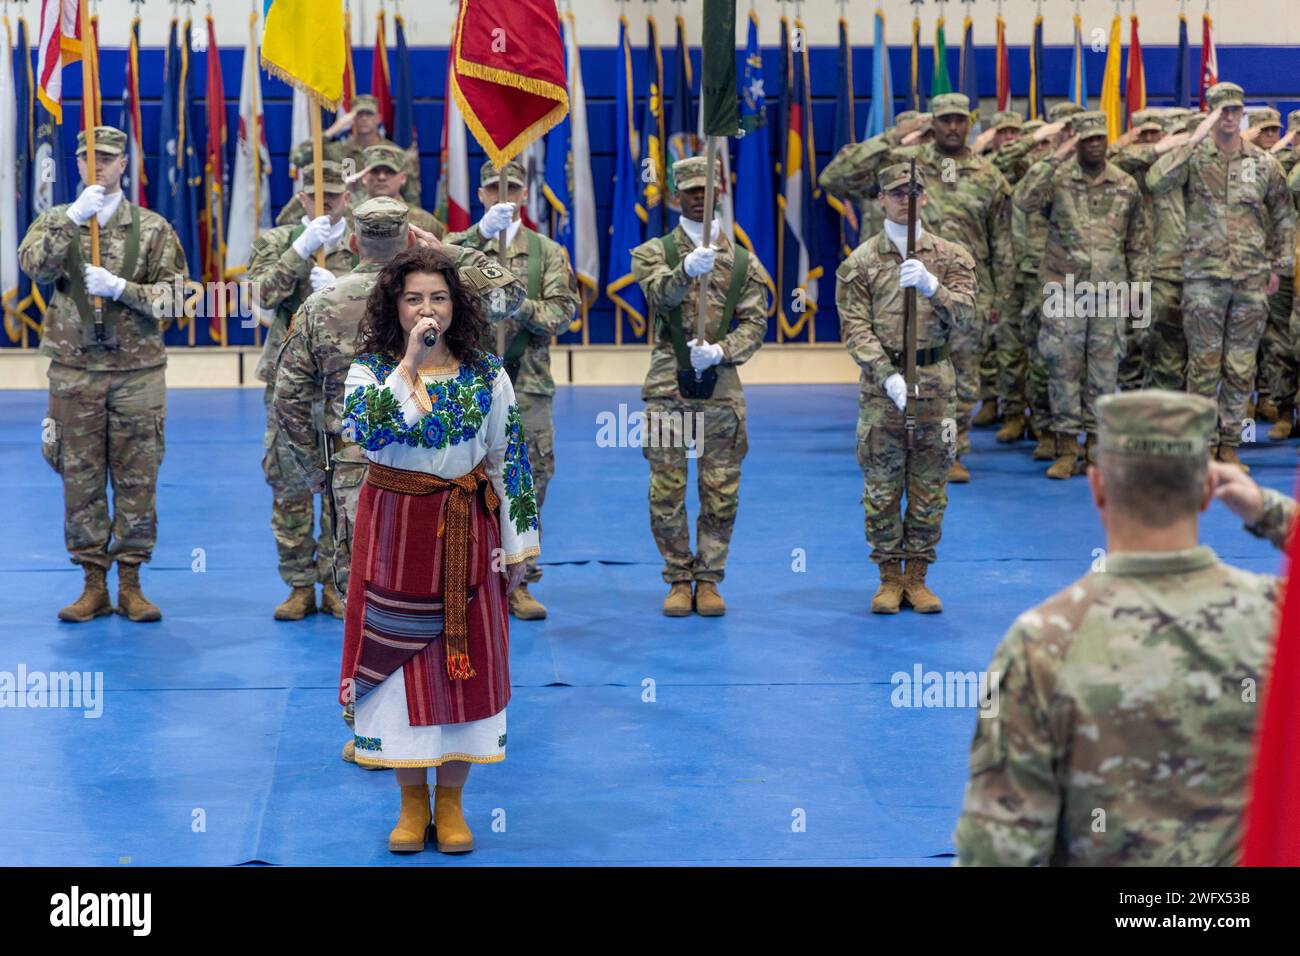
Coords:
pixel 446 518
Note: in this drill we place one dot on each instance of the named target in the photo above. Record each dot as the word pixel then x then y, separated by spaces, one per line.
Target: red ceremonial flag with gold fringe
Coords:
pixel 508 73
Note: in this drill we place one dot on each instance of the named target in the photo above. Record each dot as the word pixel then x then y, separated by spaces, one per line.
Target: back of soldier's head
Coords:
pixel 1153 454
pixel 381 228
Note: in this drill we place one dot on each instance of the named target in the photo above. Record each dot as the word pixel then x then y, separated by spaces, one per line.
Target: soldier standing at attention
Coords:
pixel 283 274
pixel 550 306
pixel 1097 233
pixel 869 294
pixel 108 397
pixel 1120 698
pixel 692 381
pixel 1240 239
pixel 318 352
pixel 385 175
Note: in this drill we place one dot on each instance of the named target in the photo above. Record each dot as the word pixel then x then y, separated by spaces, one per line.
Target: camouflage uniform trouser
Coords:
pixel 1278 379
pixel 107 426
pixel 1131 361
pixel 888 471
pixel 967 347
pixel 349 474
pixel 1036 392
pixel 1224 321
pixel 304 560
pixel 1082 359
pixel 725 442
pixel 1011 354
pixel 989 362
pixel 1165 345
pixel 539 436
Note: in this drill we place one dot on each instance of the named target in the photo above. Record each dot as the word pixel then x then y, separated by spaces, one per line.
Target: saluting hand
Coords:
pixel 1237 490
pixel 1207 125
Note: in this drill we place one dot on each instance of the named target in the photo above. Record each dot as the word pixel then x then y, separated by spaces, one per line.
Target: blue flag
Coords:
pixel 755 201
pixel 1037 108
pixel 1183 76
pixel 404 133
pixel 683 137
pixel 783 106
pixel 845 133
pixel 654 131
pixel 555 179
pixel 626 214
pixel 1078 68
pixel 881 116
pixel 25 312
pixel 797 247
pixel 968 82
pixel 179 177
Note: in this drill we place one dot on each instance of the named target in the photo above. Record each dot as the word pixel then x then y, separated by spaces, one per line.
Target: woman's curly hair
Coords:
pixel 381 331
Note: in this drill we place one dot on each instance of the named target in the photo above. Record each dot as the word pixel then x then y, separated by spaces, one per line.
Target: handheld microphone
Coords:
pixel 430 338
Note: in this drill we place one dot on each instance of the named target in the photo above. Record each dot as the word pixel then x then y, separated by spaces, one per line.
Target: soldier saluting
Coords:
pixel 690 377
pixel 108 397
pixel 872 288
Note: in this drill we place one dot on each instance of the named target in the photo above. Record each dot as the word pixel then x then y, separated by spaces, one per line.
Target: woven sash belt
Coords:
pixel 455 557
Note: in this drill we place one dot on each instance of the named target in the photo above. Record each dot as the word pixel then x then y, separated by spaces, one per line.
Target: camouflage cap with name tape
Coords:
pixel 381 218
pixel 1154 423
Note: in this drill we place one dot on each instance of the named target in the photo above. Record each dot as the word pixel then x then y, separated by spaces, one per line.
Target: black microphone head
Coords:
pixel 430 338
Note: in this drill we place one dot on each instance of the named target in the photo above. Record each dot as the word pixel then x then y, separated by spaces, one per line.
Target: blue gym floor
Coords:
pixel 775 714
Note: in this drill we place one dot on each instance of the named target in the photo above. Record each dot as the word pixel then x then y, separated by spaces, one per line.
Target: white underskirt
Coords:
pixel 382 716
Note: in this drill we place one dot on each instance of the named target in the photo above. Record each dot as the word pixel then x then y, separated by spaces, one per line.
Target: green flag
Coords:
pixel 718 85
pixel 940 83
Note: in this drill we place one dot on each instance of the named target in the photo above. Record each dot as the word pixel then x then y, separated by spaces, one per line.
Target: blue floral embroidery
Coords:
pixel 460 407
pixel 517 475
pixel 369 743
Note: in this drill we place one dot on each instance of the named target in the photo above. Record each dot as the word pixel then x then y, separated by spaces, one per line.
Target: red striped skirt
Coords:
pixel 395 611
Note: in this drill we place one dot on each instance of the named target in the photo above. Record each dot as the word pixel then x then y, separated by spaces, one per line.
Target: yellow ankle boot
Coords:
pixel 449 821
pixel 413 824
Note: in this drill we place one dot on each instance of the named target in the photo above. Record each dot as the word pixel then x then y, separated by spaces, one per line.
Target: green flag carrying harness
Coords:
pixel 687 384
pixel 73 283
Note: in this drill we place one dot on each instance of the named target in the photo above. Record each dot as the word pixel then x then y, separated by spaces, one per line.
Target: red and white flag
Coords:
pixel 59 44
pixel 250 195
pixel 453 184
pixel 134 182
pixel 1209 57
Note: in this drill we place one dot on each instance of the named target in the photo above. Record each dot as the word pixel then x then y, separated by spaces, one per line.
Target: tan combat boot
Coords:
pixel 1067 456
pixel 1228 455
pixel 413 823
pixel 1045 450
pixel 678 601
pixel 987 415
pixel 915 592
pixel 449 826
pixel 1013 430
pixel 94 600
pixel 889 596
pixel 330 602
pixel 131 601
pixel 957 473
pixel 1283 427
pixel 708 602
pixel 299 603
pixel 524 606
pixel 1266 410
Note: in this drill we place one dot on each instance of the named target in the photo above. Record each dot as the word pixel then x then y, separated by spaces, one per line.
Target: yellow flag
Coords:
pixel 1111 82
pixel 303 44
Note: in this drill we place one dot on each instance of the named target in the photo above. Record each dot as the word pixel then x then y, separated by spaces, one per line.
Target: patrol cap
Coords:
pixel 1088 124
pixel 1148 120
pixel 899 174
pixel 1293 121
pixel 1175 118
pixel 383 155
pixel 488 175
pixel 1224 94
pixel 1154 423
pixel 300 156
pixel 1031 126
pixel 365 103
pixel 381 218
pixel 1008 119
pixel 693 173
pixel 903 117
pixel 108 139
pixel 1265 118
pixel 950 104
pixel 331 177
pixel 1059 112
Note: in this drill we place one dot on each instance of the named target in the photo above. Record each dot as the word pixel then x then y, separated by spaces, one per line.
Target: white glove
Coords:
pixel 320 278
pixel 90 202
pixel 336 234
pixel 704 355
pixel 315 235
pixel 699 261
pixel 101 282
pixel 913 273
pixel 495 219
pixel 896 389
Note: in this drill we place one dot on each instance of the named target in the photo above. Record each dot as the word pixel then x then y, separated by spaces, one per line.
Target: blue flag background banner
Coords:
pixel 626 215
pixel 845 133
pixel 755 202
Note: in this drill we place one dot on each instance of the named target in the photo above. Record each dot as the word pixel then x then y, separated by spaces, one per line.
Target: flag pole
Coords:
pixel 317 158
pixel 87 102
pixel 503 194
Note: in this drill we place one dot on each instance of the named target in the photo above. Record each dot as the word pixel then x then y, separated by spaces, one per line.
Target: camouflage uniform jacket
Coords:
pixel 1165 213
pixel 1096 230
pixel 666 289
pixel 281 281
pixel 870 303
pixel 1015 159
pixel 1122 731
pixel 1240 221
pixel 160 260
pixel 1287 159
pixel 294 210
pixel 546 316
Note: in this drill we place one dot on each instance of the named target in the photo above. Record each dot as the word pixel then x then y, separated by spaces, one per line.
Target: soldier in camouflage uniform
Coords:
pixel 869 294
pixel 1097 234
pixel 362 124
pixel 550 306
pixel 847 175
pixel 283 274
pixel 1118 731
pixel 669 270
pixel 318 351
pixel 385 174
pixel 1287 150
pixel 107 395
pixel 1240 238
pixel 970 204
